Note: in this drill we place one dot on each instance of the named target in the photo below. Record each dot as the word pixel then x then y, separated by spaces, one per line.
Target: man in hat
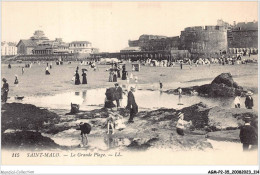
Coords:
pixel 85 129
pixel 131 104
pixel 118 95
pixel 249 102
pixel 5 90
pixel 248 135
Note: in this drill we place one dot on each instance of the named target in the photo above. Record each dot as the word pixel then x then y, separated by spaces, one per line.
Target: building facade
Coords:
pixel 206 40
pixel 155 42
pixel 81 47
pixel 25 47
pixel 8 48
pixel 243 37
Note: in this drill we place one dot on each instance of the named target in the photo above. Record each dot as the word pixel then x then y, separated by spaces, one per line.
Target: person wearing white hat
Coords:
pixel 181 124
pixel 249 102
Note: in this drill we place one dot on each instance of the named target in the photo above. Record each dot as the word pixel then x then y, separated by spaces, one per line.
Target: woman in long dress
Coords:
pixel 110 76
pixel 77 80
pixel 84 75
pixel 115 76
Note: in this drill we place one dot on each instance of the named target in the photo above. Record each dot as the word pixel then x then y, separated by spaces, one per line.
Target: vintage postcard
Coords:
pixel 129 83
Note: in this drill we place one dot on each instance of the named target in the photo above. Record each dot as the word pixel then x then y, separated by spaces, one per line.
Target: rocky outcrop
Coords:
pixel 155 128
pixel 229 119
pixel 27 117
pixel 222 86
pixel 27 140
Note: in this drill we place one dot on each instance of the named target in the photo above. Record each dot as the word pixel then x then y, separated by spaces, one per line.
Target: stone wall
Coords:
pixel 211 39
pixel 149 43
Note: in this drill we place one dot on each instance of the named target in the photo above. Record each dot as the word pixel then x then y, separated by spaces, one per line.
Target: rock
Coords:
pixel 227 119
pixel 198 114
pixel 222 90
pixel 141 144
pixel 27 140
pixel 224 78
pixel 26 117
pixel 222 86
pixel 227 135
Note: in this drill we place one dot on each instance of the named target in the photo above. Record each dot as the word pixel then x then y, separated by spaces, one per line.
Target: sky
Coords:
pixel 109 25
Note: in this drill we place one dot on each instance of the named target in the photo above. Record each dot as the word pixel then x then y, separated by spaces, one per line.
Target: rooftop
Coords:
pixel 80 42
pixel 28 43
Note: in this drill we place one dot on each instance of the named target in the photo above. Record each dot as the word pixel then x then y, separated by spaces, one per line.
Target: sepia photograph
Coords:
pixel 129 83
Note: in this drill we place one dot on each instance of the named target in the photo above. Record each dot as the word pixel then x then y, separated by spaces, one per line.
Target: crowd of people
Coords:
pixel 116 122
pixel 223 60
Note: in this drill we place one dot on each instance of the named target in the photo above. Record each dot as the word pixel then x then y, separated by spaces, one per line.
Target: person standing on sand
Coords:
pixel 131 105
pixel 110 79
pixel 47 71
pixel 16 80
pixel 237 101
pixel 84 75
pixel 22 70
pixel 5 90
pixel 249 102
pixel 248 135
pixel 161 85
pixel 118 72
pixel 118 95
pixel 77 80
pixel 85 129
pixel 115 76
pixel 124 73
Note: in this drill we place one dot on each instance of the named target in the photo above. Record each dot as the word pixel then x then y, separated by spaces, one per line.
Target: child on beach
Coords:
pixel 85 129
pixel 119 123
pixel 110 124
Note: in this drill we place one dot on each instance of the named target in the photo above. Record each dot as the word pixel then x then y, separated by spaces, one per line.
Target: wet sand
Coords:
pixel 55 92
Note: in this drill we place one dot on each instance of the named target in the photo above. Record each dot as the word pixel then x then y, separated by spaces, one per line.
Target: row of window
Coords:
pixel 79 45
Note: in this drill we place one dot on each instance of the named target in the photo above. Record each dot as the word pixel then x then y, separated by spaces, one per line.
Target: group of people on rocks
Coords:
pixel 114 120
